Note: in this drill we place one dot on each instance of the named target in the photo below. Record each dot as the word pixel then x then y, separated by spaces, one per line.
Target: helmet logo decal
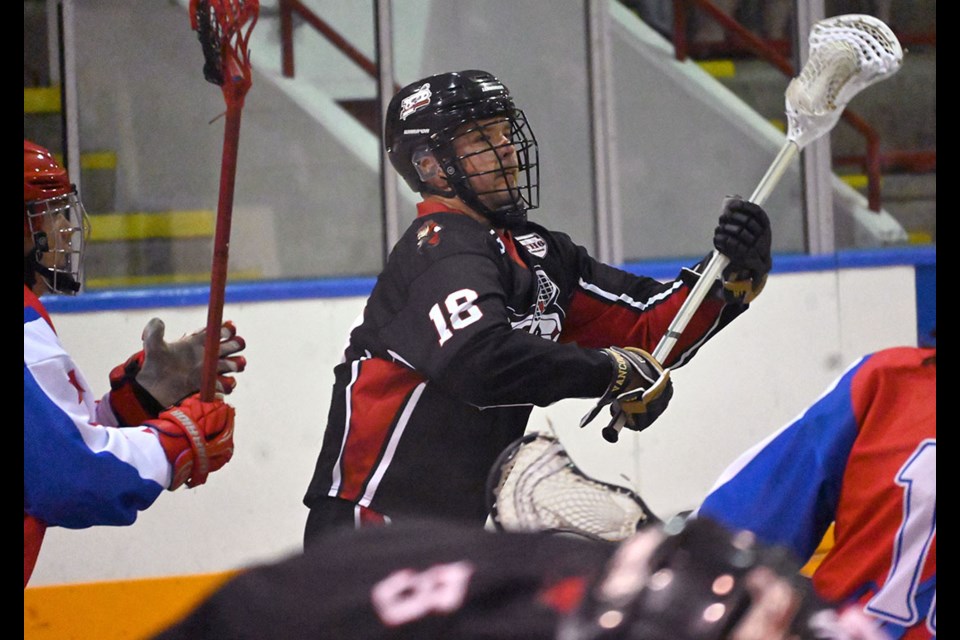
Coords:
pixel 415 101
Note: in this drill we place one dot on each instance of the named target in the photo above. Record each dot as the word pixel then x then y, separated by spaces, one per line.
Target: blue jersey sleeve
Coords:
pixel 77 473
pixel 68 484
pixel 786 488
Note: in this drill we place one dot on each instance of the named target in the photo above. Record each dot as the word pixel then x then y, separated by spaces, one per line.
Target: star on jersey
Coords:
pixel 72 376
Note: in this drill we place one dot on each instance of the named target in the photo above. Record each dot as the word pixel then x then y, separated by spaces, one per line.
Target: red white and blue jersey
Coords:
pixel 864 456
pixel 77 473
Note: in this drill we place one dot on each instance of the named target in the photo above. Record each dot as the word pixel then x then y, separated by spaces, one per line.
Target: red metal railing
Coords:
pixel 287 9
pixel 872 161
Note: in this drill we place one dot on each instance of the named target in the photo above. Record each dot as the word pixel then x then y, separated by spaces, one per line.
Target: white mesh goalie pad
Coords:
pixel 539 488
pixel 847 54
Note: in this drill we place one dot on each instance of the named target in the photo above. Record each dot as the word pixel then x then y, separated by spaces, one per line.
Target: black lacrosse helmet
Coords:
pixel 428 115
pixel 691 586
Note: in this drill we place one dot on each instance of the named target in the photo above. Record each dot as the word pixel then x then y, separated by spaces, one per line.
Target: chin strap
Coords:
pixel 65 283
pixel 29 272
pixel 508 217
pixel 503 218
pixel 428 188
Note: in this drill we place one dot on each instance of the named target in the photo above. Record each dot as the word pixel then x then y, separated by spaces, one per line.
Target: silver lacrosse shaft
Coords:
pixel 847 54
pixel 718 262
pixel 713 270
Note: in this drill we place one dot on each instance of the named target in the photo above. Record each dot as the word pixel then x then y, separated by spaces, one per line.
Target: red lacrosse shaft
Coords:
pixel 234 20
pixel 221 252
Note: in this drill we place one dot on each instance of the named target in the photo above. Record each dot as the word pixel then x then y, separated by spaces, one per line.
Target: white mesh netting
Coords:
pixel 541 489
pixel 847 54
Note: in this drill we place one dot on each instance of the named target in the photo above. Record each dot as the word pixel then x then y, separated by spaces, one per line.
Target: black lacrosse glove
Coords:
pixel 743 236
pixel 638 392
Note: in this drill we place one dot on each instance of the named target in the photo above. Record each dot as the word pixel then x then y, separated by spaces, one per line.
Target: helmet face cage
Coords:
pixel 59 227
pixel 523 196
pixel 433 113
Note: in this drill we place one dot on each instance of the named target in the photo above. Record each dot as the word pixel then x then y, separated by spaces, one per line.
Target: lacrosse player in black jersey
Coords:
pixel 686 580
pixel 481 314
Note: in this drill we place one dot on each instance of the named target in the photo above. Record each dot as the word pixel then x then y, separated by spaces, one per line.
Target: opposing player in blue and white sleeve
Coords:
pixel 90 462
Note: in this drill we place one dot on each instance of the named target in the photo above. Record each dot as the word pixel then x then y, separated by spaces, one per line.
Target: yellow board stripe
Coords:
pixel 112 282
pixel 857 181
pixel 719 68
pixel 116 610
pixel 41 99
pixel 162 224
pixel 98 160
pixel 94 159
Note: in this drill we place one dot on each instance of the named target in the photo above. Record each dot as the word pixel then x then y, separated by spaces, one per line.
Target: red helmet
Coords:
pixel 43 176
pixel 56 249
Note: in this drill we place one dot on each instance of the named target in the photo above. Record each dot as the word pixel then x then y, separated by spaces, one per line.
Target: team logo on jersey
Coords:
pixel 428 235
pixel 544 317
pixel 415 101
pixel 533 244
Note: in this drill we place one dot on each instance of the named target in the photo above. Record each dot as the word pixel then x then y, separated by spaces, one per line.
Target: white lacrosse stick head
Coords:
pixel 535 486
pixel 847 54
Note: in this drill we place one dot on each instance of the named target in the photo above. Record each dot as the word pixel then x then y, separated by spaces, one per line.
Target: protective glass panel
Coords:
pixel 715 122
pixel 901 111
pixel 308 186
pixel 684 141
pixel 307 197
pixel 538 50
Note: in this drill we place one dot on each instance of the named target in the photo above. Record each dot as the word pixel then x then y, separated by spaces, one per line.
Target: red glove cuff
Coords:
pixel 130 402
pixel 197 438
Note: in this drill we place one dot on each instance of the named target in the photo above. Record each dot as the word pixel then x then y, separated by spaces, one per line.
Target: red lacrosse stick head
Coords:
pixel 223 28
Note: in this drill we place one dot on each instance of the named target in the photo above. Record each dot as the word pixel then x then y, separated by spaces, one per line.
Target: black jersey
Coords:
pixel 440 580
pixel 416 580
pixel 464 332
